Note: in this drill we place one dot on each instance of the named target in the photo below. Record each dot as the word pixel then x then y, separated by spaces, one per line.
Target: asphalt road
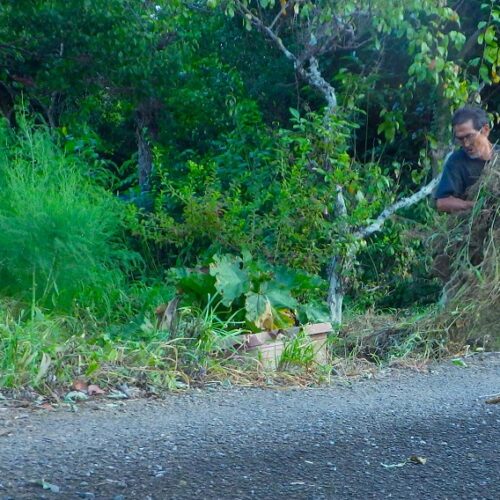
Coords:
pixel 352 440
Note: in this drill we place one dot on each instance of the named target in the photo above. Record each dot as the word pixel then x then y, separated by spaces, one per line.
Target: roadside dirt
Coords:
pixel 401 434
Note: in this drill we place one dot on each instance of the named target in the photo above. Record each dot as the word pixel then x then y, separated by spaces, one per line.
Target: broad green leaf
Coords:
pixel 279 297
pixel 258 309
pixel 231 281
pixel 294 113
pixel 314 313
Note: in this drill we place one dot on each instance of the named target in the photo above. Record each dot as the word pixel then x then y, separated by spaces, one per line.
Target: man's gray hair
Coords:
pixel 475 113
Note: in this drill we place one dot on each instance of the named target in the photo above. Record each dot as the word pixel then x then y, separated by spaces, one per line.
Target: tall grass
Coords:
pixel 60 233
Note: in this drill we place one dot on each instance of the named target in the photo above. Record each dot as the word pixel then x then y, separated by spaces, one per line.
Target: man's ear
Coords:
pixel 485 130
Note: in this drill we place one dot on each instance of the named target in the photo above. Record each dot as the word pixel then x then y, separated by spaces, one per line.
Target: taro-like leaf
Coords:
pixel 258 310
pixel 314 313
pixel 231 281
pixel 196 283
pixel 278 296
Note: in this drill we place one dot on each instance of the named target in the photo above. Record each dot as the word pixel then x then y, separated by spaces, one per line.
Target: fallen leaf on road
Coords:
pixel 74 396
pixel 415 459
pixel 80 385
pixel 493 401
pixel 459 362
pixel 94 390
pixel 124 388
pixel 117 395
pixel 49 486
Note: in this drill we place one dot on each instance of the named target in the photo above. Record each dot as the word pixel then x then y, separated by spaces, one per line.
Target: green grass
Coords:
pixel 61 235
pixel 50 350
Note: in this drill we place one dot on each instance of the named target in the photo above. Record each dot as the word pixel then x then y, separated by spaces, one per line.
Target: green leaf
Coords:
pixel 439 64
pixel 231 281
pixel 484 73
pixel 489 35
pixel 256 305
pixel 294 113
pixel 278 296
pixel 314 313
pixel 194 283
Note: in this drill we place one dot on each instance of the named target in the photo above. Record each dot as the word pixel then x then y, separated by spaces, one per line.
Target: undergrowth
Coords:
pixel 61 234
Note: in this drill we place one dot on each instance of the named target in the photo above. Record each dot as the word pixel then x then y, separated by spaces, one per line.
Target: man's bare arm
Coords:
pixel 452 204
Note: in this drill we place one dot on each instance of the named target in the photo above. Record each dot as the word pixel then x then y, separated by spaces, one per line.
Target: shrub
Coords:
pixel 60 232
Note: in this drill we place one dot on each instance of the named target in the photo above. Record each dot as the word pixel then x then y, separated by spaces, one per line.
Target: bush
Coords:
pixel 60 233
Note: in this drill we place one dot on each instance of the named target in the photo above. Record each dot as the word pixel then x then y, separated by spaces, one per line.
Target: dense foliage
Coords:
pixel 149 147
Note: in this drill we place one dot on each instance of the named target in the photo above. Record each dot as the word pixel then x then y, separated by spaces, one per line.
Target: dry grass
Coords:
pixel 470 306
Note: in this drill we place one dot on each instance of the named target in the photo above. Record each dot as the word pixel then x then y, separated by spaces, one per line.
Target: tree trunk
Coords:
pixel 144 123
pixel 145 159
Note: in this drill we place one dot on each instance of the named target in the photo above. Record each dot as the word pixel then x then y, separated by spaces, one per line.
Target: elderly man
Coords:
pixel 464 166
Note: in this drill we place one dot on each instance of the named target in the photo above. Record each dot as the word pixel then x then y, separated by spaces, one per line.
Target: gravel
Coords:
pixel 350 440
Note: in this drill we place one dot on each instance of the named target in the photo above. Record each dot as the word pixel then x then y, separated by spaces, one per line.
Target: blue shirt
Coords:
pixel 459 173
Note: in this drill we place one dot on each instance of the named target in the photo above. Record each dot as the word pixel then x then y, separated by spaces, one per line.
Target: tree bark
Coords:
pixel 144 122
pixel 144 159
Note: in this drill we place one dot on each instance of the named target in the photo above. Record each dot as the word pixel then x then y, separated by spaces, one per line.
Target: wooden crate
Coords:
pixel 267 347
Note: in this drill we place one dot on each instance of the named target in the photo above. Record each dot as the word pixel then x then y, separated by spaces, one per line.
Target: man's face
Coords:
pixel 474 142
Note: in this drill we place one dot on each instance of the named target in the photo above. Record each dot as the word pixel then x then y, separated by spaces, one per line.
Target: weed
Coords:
pixel 298 353
pixel 60 242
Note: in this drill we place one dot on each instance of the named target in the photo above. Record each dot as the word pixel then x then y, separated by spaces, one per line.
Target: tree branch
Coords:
pixel 377 224
pixel 312 75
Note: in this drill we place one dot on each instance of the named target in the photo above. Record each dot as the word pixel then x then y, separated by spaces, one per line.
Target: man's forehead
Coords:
pixel 464 128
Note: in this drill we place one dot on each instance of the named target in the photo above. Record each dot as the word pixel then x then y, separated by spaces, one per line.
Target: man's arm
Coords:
pixel 450 204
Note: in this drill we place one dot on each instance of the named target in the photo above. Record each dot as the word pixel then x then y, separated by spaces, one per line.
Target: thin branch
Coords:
pixel 279 14
pixel 377 224
pixel 311 75
pixel 470 45
pixel 259 24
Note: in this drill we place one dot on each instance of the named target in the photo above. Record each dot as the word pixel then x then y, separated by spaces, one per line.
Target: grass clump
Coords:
pixel 48 350
pixel 60 232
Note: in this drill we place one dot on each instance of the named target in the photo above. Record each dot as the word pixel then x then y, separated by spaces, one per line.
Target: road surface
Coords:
pixel 351 440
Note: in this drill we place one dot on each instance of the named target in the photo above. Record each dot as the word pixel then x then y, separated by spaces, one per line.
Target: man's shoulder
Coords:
pixel 457 157
pixel 459 162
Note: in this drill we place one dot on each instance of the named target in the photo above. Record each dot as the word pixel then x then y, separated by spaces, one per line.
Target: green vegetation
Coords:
pixel 60 232
pixel 171 174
